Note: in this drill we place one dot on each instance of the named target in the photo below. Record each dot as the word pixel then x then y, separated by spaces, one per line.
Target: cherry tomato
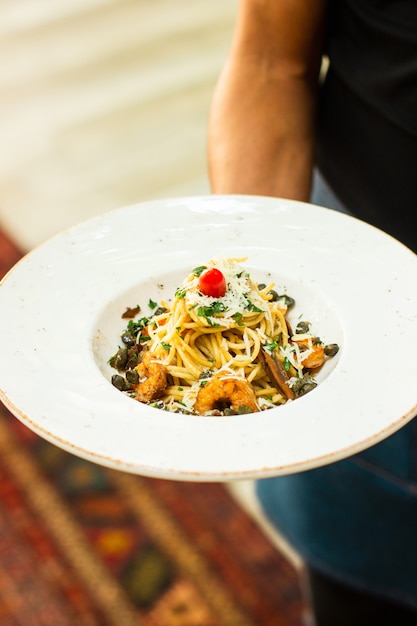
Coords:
pixel 212 283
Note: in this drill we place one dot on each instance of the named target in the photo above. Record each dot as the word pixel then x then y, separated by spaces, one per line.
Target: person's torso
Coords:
pixel 372 45
pixel 367 130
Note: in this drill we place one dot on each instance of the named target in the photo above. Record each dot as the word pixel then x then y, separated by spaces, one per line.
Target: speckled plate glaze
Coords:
pixel 61 312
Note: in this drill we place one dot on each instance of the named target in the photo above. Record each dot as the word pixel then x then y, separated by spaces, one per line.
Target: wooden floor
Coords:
pixel 103 103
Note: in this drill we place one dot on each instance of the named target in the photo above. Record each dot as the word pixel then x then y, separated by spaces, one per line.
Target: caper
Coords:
pixel 159 311
pixel 303 385
pixel 132 376
pixel 118 360
pixel 289 302
pixel 306 388
pixel 133 357
pixel 118 381
pixel 242 409
pixel 128 338
pixel 160 404
pixel 302 328
pixel 331 349
pixel 274 295
pixel 205 374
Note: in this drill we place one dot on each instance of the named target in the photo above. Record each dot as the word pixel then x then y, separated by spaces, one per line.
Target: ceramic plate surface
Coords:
pixel 61 320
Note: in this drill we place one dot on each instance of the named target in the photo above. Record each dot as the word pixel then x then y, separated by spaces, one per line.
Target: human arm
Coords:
pixel 261 125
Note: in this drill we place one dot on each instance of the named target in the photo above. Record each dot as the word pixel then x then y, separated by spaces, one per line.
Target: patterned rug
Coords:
pixel 82 545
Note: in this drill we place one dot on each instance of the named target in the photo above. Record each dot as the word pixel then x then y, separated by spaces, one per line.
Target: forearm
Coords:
pixel 261 126
pixel 261 135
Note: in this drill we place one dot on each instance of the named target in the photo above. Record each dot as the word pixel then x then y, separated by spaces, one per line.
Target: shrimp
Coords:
pixel 315 356
pixel 153 378
pixel 225 393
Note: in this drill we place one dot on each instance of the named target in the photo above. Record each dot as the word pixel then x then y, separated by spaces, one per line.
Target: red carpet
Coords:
pixel 81 545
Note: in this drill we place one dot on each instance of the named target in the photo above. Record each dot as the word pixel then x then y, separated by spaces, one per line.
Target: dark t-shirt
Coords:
pixel 367 129
pixel 356 519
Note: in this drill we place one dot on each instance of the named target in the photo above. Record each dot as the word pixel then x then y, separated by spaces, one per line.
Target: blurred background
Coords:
pixel 103 103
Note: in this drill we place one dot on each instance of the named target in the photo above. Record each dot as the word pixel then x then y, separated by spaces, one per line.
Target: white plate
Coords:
pixel 61 312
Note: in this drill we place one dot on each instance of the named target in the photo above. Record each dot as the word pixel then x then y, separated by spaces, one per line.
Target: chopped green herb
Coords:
pixel 152 304
pixel 135 327
pixel 218 307
pixel 287 364
pixel 210 311
pixel 180 293
pixel 166 346
pixel 238 318
pixel 273 345
pixel 250 306
pixel 197 271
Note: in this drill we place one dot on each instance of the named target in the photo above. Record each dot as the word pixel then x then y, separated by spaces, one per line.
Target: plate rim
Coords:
pixel 187 474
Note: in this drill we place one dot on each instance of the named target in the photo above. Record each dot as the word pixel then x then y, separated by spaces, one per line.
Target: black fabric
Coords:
pixel 334 604
pixel 367 130
pixel 369 162
pixel 372 46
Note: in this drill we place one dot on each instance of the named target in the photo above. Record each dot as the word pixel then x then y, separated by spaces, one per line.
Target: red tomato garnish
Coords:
pixel 212 283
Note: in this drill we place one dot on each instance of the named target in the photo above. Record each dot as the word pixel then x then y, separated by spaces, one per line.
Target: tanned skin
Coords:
pixel 261 126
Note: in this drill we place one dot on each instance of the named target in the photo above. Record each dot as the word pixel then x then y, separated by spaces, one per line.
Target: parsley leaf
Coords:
pixel 238 318
pixel 180 293
pixel 211 311
pixel 197 271
pixel 135 327
pixel 273 345
pixel 250 306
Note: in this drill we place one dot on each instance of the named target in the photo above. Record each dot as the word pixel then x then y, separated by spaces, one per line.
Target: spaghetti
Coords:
pixel 232 352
